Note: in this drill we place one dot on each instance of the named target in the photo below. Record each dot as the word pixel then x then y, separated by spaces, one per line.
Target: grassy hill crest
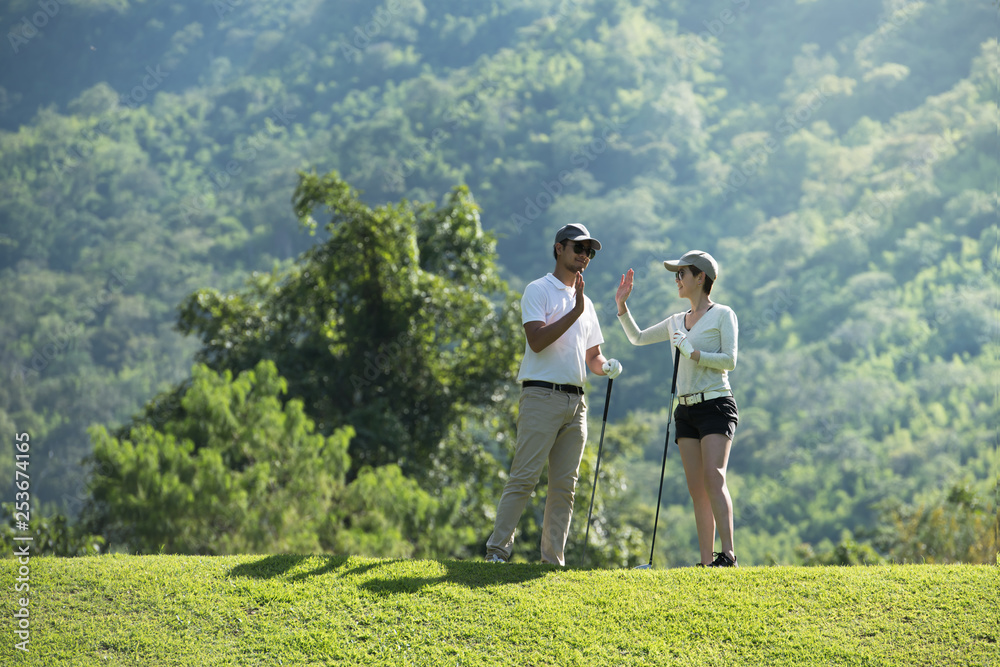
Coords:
pixel 313 610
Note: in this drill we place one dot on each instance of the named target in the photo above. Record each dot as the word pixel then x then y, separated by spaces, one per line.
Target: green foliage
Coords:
pixel 957 527
pixel 846 552
pixel 54 535
pixel 237 470
pixel 385 513
pixel 397 324
pixel 621 522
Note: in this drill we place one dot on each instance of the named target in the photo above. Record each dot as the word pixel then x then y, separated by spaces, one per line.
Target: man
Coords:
pixel 563 341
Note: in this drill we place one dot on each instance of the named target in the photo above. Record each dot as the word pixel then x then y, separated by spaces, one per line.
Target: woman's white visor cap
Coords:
pixel 697 258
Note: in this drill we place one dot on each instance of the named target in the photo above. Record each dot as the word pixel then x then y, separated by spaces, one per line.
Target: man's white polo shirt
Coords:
pixel 564 361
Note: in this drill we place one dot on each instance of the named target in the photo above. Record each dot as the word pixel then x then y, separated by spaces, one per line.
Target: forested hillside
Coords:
pixel 838 157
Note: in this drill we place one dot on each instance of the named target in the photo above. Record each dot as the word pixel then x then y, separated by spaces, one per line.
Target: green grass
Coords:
pixel 295 610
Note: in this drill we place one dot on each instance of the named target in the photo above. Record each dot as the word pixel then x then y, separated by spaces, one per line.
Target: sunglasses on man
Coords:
pixel 581 249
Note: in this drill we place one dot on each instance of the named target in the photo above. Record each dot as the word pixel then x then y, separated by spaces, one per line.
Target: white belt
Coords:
pixel 698 397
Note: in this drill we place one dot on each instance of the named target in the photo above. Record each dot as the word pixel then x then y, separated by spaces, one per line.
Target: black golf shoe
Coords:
pixel 722 560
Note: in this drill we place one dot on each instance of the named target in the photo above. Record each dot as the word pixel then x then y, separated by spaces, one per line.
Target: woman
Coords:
pixel 706 414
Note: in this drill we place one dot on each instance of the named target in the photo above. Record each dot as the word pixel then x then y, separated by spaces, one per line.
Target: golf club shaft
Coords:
pixel 666 445
pixel 597 469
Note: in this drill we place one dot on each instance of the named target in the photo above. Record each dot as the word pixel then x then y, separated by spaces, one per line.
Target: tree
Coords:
pixel 847 552
pixel 397 324
pixel 237 470
pixel 959 526
pixel 398 340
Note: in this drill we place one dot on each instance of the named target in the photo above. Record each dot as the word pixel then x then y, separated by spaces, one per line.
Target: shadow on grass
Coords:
pixel 278 565
pixel 472 574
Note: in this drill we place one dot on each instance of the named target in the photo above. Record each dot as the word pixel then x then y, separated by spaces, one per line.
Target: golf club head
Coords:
pixel 646 566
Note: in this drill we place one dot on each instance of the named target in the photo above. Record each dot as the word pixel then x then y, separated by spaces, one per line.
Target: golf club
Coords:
pixel 597 470
pixel 663 467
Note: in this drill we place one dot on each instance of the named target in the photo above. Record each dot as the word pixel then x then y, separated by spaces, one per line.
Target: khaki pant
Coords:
pixel 551 425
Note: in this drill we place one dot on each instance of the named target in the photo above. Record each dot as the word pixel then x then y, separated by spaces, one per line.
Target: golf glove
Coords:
pixel 681 342
pixel 612 368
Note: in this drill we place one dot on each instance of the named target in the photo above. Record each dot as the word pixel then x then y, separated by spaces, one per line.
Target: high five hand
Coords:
pixel 624 290
pixel 579 285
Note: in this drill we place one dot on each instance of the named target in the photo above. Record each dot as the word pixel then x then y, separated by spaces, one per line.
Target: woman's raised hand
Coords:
pixel 624 290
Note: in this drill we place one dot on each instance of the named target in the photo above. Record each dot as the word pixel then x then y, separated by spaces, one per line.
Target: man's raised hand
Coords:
pixel 578 284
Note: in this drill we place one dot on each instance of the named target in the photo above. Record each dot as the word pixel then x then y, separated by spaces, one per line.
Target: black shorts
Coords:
pixel 718 415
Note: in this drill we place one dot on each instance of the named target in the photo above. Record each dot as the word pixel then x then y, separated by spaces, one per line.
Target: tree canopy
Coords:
pixel 396 324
